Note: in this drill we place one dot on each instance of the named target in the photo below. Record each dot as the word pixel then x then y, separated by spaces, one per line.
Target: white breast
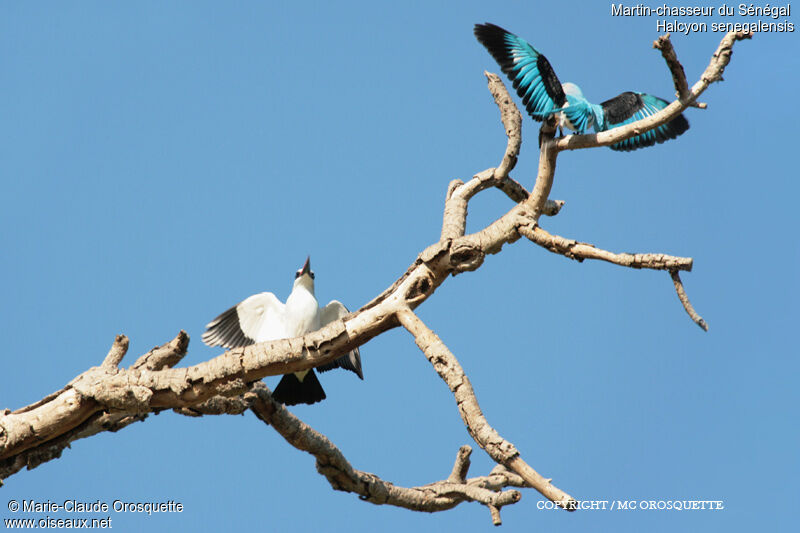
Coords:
pixel 302 313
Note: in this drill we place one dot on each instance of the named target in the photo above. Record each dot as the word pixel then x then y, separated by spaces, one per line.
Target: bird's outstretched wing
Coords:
pixel 350 361
pixel 258 318
pixel 530 72
pixel 629 107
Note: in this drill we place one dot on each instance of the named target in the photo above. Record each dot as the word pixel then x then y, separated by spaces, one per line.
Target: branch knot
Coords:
pixel 420 288
pixel 465 256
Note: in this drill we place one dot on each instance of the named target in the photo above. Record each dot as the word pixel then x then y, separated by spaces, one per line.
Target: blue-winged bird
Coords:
pixel 544 96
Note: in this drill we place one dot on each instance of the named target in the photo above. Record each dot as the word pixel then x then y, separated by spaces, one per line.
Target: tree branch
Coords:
pixel 117 352
pixel 678 74
pixel 499 449
pixel 580 250
pixel 459 193
pixel 461 466
pixel 65 414
pixel 331 463
pixel 684 298
pixel 52 449
pixel 512 121
pixel 166 355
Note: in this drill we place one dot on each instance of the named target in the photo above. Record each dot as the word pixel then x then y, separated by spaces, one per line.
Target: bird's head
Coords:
pixel 304 276
pixel 572 90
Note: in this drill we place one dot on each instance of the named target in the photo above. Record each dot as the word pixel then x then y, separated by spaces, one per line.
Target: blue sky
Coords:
pixel 161 161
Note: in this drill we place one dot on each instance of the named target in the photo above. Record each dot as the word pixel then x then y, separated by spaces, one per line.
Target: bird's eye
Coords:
pixel 297 274
pixel 311 274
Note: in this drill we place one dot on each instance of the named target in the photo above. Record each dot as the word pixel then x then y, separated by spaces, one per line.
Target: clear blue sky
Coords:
pixel 161 161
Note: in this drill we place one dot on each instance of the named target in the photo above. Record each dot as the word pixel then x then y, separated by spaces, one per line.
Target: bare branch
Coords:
pixel 684 298
pixel 50 397
pixel 514 190
pixel 216 405
pixel 165 356
pixel 518 194
pixel 22 430
pixel 117 352
pixel 512 121
pixel 580 251
pixel 496 521
pixel 331 463
pixel 33 457
pixel 719 61
pixel 461 466
pixel 43 429
pixel 454 222
pixel 460 193
pixel 678 74
pixel 499 449
pixel 544 178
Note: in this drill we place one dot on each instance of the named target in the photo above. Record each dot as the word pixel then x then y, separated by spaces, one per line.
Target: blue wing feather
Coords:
pixel 578 112
pixel 530 72
pixel 629 107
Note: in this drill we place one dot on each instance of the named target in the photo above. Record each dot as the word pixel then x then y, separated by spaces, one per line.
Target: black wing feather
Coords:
pixel 350 361
pixel 622 107
pixel 226 331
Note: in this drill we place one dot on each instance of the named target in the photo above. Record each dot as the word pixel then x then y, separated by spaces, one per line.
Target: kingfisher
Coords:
pixel 263 317
pixel 544 95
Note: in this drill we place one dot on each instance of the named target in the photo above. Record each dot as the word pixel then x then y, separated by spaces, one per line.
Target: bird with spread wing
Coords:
pixel 544 95
pixel 262 317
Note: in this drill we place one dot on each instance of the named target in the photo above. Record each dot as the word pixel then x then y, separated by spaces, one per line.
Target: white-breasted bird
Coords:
pixel 262 317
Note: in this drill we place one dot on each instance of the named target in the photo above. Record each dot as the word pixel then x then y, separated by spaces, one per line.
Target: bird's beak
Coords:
pixel 306 266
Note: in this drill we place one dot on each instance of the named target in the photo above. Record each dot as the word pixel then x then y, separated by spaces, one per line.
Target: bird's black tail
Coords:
pixel 291 390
